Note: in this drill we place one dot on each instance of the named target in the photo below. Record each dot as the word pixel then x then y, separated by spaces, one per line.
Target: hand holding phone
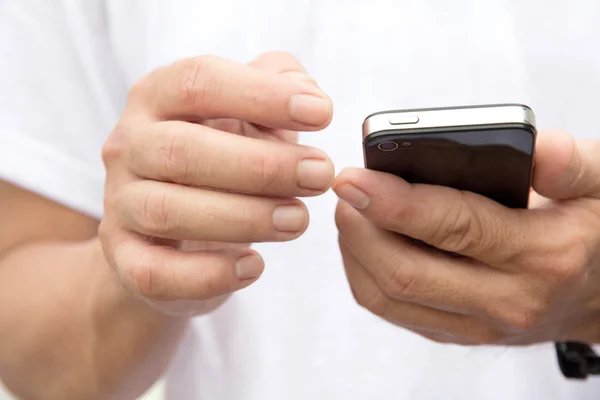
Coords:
pixel 486 150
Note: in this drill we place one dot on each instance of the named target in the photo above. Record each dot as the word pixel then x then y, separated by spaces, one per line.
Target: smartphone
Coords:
pixel 484 149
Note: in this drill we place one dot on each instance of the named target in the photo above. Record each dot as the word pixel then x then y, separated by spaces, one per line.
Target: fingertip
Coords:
pixel 315 173
pixel 290 220
pixel 359 186
pixel 368 180
pixel 554 154
pixel 342 178
pixel 249 267
pixel 312 111
pixel 352 196
pixel 328 112
pixel 346 175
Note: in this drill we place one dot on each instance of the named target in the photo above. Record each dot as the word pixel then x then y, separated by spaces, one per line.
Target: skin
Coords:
pixel 104 312
pixel 515 276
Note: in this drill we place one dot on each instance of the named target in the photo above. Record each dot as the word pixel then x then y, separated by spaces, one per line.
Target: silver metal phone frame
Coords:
pixel 447 118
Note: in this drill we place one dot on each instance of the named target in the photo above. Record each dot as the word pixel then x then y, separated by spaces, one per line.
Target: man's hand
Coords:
pixel 457 267
pixel 203 162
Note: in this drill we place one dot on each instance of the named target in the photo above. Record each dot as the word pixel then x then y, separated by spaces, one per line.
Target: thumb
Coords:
pixel 565 168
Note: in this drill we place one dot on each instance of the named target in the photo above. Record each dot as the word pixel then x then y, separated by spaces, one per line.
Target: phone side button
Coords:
pixel 404 120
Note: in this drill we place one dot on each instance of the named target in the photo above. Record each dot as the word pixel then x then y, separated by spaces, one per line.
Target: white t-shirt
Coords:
pixel 65 68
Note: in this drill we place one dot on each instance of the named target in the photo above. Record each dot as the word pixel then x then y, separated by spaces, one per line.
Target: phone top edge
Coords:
pixel 463 117
pixel 445 108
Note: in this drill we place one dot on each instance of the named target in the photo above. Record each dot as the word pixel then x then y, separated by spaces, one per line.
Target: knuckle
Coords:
pixel 376 302
pixel 140 88
pixel 104 231
pixel 568 266
pixel 114 147
pixel 157 213
pixel 394 213
pixel 522 319
pixel 256 98
pixel 213 281
pixel 381 213
pixel 198 84
pixel 397 283
pixel 178 162
pixel 460 229
pixel 267 173
pixel 247 222
pixel 146 276
pixel 210 280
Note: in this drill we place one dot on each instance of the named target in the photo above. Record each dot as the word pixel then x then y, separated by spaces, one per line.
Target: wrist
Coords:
pixel 132 327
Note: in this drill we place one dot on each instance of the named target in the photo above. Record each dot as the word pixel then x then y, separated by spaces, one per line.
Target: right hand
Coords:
pixel 202 162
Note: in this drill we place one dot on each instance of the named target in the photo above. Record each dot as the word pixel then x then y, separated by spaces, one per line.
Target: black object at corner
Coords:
pixel 577 360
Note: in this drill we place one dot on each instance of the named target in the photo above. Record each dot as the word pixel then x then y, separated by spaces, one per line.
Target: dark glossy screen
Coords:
pixel 496 163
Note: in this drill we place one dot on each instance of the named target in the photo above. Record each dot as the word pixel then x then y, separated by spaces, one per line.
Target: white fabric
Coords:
pixel 65 67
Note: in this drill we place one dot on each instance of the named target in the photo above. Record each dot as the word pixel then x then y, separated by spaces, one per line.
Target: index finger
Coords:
pixel 209 87
pixel 450 220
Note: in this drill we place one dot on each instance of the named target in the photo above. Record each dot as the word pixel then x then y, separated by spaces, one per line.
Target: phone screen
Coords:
pixel 496 163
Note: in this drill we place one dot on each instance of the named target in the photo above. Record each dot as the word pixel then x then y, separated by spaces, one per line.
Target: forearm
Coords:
pixel 69 330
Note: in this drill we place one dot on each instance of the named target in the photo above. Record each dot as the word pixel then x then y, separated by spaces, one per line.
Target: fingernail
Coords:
pixel 314 174
pixel 309 109
pixel 289 219
pixel 352 195
pixel 249 267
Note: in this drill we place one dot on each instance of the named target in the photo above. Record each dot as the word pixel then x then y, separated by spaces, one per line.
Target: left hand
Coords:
pixel 516 276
